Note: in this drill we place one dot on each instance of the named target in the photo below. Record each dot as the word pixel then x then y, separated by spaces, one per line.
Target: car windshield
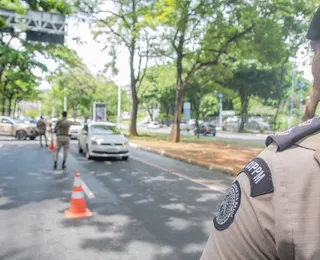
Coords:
pixel 104 130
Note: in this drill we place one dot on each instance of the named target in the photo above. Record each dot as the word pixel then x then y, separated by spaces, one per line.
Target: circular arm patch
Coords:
pixel 228 207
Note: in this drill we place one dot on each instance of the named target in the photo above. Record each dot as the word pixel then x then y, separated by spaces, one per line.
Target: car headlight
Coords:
pixel 125 143
pixel 94 142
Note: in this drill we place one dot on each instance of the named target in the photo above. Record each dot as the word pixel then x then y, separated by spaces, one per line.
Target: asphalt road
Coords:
pixel 149 207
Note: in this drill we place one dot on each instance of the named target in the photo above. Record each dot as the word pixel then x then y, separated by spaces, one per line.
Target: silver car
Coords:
pixel 102 139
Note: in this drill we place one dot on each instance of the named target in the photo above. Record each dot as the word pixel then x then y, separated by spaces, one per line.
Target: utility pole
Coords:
pixel 220 109
pixel 292 94
pixel 119 105
pixel 302 84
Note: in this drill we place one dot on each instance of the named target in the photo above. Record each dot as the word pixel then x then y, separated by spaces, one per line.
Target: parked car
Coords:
pixel 75 129
pixel 231 124
pixel 153 125
pixel 205 129
pixel 184 126
pixel 192 123
pixel 16 128
pixel 257 123
pixel 102 139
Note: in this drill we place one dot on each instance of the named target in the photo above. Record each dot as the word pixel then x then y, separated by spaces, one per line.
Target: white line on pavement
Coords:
pixel 87 191
pixel 1 145
pixel 215 187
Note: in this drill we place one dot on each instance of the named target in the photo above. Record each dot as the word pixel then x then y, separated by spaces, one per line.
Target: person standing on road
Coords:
pixel 42 128
pixel 63 140
pixel 272 209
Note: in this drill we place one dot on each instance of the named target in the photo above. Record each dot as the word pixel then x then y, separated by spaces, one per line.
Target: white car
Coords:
pixel 75 129
pixel 102 139
pixel 154 125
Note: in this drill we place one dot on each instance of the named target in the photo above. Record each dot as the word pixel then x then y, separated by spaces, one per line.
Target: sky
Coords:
pixel 92 55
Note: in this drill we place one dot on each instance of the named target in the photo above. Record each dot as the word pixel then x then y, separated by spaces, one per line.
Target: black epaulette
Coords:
pixel 289 137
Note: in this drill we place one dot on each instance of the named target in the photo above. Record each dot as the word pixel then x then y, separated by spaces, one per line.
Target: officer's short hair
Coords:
pixel 41 117
pixel 64 113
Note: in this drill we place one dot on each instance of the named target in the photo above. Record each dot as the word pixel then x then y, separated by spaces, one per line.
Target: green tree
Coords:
pixel 158 89
pixel 208 33
pixel 252 79
pixel 125 25
pixel 24 58
pixel 81 89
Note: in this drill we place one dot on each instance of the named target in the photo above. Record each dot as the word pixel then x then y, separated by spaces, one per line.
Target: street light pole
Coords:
pixel 292 94
pixel 220 110
pixel 119 105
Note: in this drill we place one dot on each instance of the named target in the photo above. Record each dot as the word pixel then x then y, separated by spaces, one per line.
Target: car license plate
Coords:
pixel 112 150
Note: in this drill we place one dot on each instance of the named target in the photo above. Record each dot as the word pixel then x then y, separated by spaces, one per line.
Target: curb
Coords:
pixel 209 166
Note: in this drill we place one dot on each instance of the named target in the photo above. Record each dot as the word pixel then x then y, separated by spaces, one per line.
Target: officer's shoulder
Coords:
pixel 280 147
pixel 296 135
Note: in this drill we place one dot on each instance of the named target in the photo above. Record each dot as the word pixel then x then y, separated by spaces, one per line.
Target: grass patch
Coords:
pixel 188 139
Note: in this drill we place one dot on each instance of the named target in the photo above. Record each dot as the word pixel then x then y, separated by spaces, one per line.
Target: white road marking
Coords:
pixel 1 145
pixel 215 187
pixel 87 191
pixel 85 187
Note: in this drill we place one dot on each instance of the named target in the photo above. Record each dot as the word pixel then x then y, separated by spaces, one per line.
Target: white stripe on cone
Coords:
pixel 77 195
pixel 77 182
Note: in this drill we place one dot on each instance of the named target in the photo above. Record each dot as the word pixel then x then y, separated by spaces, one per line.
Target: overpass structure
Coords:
pixel 38 26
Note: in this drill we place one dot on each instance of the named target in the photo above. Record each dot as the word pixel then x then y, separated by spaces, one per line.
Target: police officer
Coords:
pixel 42 128
pixel 272 209
pixel 63 140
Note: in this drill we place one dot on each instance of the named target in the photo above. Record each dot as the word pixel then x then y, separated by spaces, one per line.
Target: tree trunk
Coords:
pixel 276 116
pixel 135 101
pixel 175 131
pixel 197 122
pixel 134 113
pixel 150 111
pixel 14 107
pixel 10 103
pixel 244 110
pixel 4 99
pixel 133 81
pixel 312 103
pixel 167 107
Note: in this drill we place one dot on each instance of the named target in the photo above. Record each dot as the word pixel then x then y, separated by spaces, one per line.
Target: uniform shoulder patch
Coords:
pixel 228 207
pixel 260 178
pixel 289 137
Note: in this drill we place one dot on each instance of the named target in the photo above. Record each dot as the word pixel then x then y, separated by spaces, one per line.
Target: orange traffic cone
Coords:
pixel 51 146
pixel 78 208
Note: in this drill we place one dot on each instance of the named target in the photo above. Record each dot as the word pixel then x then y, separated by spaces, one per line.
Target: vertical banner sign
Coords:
pixel 99 112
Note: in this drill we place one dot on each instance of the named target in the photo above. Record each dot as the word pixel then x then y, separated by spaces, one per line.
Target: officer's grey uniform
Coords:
pixel 272 210
pixel 42 128
pixel 63 139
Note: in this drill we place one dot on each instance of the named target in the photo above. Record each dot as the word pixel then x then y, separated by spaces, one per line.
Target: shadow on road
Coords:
pixel 26 177
pixel 159 216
